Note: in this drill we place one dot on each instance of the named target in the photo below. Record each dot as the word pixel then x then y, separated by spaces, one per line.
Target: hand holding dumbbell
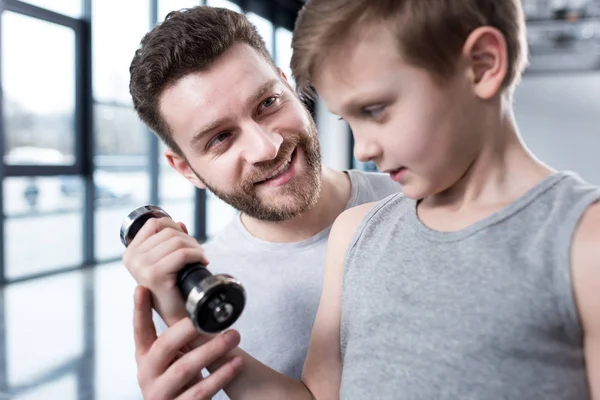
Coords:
pixel 212 302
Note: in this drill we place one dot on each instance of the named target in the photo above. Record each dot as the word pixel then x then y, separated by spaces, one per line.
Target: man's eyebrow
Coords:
pixel 205 130
pixel 262 90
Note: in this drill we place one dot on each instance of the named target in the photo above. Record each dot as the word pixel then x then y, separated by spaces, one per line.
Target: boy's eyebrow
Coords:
pixel 258 94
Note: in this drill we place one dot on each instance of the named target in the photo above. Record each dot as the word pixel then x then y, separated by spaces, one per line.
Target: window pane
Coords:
pixel 72 8
pixel 224 4
pixel 176 194
pixel 44 331
pixel 166 6
pixel 37 208
pixel 265 29
pixel 120 137
pixel 172 186
pixel 563 36
pixel 39 108
pixel 218 214
pixel 121 174
pixel 117 29
pixel 284 52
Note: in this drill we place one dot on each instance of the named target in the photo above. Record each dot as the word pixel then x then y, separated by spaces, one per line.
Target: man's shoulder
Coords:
pixel 223 238
pixel 372 186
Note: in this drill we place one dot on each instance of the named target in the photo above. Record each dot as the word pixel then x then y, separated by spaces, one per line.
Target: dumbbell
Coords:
pixel 212 302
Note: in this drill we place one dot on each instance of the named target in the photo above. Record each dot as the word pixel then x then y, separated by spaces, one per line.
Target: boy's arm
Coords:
pixel 323 366
pixel 322 372
pixel 586 279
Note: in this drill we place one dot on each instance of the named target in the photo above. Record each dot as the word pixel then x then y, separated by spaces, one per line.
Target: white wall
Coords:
pixel 559 119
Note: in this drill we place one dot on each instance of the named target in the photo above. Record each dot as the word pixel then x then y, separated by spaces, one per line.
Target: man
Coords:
pixel 205 83
pixel 481 280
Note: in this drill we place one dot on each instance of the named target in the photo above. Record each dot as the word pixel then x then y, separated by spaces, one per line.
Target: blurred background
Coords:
pixel 76 160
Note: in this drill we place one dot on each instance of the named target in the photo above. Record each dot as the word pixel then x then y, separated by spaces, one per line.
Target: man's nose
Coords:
pixel 261 144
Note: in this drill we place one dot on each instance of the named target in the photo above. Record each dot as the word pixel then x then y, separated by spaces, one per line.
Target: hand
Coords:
pixel 166 370
pixel 160 249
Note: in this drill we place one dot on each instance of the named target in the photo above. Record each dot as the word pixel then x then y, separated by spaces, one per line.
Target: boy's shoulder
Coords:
pixel 351 222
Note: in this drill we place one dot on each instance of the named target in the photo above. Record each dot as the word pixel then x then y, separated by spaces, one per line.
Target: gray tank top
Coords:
pixel 484 313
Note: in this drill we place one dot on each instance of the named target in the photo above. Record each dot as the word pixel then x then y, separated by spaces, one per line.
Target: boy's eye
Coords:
pixel 373 111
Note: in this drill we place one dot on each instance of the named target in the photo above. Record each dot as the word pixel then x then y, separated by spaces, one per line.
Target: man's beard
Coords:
pixel 304 189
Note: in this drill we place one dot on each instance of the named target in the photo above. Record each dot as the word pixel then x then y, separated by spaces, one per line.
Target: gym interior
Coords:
pixel 77 160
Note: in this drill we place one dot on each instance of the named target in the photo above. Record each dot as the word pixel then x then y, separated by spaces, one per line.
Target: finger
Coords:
pixel 167 346
pixel 181 242
pixel 183 227
pixel 146 262
pixel 165 231
pixel 152 227
pixel 144 330
pixel 210 386
pixel 176 260
pixel 192 363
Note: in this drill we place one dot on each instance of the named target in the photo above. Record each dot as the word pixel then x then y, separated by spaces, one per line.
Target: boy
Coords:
pixel 481 281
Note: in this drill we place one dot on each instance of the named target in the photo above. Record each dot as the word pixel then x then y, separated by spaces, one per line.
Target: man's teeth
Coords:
pixel 280 170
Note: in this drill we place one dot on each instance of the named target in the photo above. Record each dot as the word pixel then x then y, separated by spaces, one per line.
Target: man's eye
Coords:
pixel 268 102
pixel 221 137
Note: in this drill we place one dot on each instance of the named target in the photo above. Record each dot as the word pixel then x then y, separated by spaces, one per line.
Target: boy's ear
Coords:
pixel 181 165
pixel 487 59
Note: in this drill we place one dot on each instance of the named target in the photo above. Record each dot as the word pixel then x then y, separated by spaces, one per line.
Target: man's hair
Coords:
pixel 187 41
pixel 430 33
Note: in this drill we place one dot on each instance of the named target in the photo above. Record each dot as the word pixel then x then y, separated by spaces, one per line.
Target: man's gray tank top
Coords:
pixel 487 312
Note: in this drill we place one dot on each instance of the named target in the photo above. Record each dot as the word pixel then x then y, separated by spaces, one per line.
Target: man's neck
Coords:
pixel 333 198
pixel 503 171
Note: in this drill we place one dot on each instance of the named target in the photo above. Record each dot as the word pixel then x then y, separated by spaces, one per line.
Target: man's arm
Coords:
pixel 586 278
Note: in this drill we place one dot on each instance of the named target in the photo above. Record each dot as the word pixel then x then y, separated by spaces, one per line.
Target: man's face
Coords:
pixel 245 136
pixel 425 134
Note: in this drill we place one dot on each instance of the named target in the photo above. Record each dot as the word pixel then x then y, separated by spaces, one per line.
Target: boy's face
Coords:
pixel 245 136
pixel 425 135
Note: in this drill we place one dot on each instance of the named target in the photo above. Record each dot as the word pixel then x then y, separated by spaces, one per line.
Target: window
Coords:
pixel 38 75
pixel 166 6
pixel 121 176
pixel 265 29
pixel 118 27
pixel 176 194
pixel 225 4
pixel 72 8
pixel 218 214
pixel 284 52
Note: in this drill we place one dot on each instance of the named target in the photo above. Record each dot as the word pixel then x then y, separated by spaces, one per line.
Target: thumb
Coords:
pixel 144 330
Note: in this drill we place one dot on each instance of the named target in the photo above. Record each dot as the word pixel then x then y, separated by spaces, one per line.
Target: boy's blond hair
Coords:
pixel 431 33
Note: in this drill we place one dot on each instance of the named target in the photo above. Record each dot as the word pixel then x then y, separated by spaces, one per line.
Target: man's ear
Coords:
pixel 487 58
pixel 285 79
pixel 181 165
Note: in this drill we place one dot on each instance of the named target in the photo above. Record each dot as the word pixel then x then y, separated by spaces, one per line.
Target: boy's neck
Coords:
pixel 335 194
pixel 503 171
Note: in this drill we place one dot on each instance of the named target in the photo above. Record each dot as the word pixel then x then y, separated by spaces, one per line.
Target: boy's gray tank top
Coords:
pixel 483 313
